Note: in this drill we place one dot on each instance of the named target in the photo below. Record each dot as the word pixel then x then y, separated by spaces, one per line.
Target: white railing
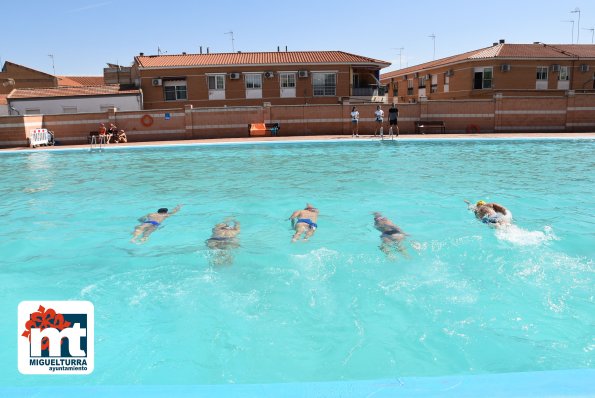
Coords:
pixel 39 137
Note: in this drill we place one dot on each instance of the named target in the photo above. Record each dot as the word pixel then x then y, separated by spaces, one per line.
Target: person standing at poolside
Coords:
pixel 491 213
pixel 379 114
pixel 354 122
pixel 224 237
pixel 391 235
pixel 393 115
pixel 304 222
pixel 150 223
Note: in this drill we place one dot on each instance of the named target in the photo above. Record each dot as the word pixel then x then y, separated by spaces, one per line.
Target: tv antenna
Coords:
pixel 53 66
pixel 233 50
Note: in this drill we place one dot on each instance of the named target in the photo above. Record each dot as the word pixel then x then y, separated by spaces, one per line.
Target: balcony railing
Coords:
pixel 364 91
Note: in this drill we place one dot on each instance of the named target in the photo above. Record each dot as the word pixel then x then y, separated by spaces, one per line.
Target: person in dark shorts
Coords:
pixel 150 223
pixel 393 115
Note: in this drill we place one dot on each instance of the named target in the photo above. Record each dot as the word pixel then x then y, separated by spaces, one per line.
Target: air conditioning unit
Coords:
pixel 416 75
pixel 303 73
pixel 555 68
pixel 505 68
pixel 428 76
pixel 584 68
pixel 157 82
pixel 449 73
pixel 269 75
pixel 234 75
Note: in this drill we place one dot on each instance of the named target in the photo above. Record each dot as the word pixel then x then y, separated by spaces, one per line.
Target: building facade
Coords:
pixel 77 99
pixel 247 79
pixel 536 69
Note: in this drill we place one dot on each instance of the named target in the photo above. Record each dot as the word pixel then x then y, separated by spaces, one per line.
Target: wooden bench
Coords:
pixel 429 124
pixel 263 129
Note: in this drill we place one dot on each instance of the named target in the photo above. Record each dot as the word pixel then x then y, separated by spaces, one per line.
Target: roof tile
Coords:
pixel 255 58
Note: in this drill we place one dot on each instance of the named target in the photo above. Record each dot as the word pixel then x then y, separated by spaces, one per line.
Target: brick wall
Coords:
pixel 575 112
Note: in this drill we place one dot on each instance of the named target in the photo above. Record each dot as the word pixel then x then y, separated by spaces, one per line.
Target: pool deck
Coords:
pixel 328 138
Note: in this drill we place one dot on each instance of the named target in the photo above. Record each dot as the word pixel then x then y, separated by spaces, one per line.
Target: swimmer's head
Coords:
pixel 309 207
pixel 162 210
pixel 480 203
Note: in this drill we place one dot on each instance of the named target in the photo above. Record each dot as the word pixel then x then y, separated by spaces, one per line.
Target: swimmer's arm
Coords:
pixel 470 206
pixel 294 215
pixel 498 208
pixel 144 218
pixel 175 210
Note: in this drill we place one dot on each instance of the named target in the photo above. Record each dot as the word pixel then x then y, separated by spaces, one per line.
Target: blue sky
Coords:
pixel 83 36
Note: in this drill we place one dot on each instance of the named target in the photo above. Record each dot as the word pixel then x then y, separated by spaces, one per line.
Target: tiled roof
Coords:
pixel 507 51
pixel 255 58
pixel 80 80
pixel 76 91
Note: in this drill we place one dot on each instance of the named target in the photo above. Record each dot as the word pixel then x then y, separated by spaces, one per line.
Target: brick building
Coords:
pixel 536 69
pixel 253 78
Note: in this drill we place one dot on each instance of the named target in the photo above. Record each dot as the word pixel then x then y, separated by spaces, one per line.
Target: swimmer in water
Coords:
pixel 224 237
pixel 491 213
pixel 150 223
pixel 304 222
pixel 391 237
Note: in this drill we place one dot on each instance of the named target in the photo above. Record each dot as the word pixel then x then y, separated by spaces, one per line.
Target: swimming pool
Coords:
pixel 467 299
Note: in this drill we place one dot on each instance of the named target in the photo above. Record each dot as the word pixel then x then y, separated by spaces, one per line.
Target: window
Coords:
pixel 422 82
pixel 287 80
pixel 69 109
pixel 395 89
pixel 324 84
pixel 482 78
pixel 563 74
pixel 434 84
pixel 410 87
pixel 542 73
pixel 216 82
pixel 32 111
pixel 174 90
pixel 253 81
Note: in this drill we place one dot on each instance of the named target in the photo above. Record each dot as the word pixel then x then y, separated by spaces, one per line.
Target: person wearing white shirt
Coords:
pixel 379 113
pixel 354 122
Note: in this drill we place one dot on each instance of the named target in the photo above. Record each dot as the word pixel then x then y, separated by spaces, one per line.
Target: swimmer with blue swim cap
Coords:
pixel 491 213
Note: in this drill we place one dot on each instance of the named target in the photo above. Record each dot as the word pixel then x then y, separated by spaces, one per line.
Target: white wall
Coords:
pixel 56 105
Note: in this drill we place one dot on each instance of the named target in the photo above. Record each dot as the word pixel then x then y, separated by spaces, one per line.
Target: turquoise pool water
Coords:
pixel 467 299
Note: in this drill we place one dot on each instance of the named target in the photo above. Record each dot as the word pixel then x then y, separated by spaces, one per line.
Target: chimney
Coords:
pixel 141 54
pixel 285 48
pixel 207 50
pixel 201 49
pixel 501 41
pixel 494 44
pixel 183 52
pixel 278 49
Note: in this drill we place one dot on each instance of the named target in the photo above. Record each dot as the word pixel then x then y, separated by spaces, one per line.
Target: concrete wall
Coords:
pixel 572 113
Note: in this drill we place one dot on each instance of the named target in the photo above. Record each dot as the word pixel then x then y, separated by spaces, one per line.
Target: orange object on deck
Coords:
pixel 258 130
